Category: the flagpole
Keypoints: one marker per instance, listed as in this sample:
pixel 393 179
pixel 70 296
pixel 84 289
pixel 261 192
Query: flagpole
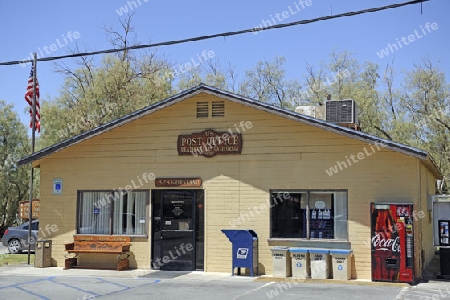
pixel 33 129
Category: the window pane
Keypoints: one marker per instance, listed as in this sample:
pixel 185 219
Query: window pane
pixel 288 215
pixel 35 226
pixel 95 209
pixel 130 213
pixel 340 219
pixel 200 230
pixel 321 215
pixel 327 215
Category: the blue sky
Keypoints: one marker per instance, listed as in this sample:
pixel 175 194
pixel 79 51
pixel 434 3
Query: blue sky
pixel 28 26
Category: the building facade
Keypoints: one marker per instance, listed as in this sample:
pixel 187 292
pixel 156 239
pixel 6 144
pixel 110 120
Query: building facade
pixel 173 175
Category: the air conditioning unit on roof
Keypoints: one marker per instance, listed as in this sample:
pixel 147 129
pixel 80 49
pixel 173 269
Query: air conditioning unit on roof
pixel 341 111
pixel 317 112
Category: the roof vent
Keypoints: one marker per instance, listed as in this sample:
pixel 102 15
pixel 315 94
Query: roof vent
pixel 218 109
pixel 202 109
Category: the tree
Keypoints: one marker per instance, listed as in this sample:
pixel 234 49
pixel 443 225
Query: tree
pixel 267 83
pixel 427 99
pixel 13 180
pixel 96 94
pixel 211 73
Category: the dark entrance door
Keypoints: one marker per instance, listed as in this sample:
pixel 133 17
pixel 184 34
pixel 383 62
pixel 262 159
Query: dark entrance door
pixel 177 231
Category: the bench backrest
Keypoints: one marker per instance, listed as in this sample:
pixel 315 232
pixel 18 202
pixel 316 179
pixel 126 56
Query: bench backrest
pixel 101 243
pixel 101 238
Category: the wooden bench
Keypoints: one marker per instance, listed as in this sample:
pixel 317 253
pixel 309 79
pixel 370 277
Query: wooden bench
pixel 103 244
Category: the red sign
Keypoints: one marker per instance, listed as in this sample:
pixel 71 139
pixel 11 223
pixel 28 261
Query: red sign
pixel 209 143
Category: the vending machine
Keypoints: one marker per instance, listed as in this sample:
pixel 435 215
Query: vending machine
pixel 392 242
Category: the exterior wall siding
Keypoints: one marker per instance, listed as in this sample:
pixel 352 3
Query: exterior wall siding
pixel 277 154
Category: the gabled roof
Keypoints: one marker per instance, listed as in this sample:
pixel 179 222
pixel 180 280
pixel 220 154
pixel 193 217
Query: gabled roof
pixel 202 88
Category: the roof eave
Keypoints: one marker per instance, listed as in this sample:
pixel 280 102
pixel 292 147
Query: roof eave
pixel 397 147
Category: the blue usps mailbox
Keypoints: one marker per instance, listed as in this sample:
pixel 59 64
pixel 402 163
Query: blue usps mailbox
pixel 245 249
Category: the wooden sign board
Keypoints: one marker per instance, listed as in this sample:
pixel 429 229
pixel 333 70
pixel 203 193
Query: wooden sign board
pixel 209 143
pixel 178 182
pixel 101 238
pixel 24 209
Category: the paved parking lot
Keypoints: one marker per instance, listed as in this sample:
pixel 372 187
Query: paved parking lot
pixel 26 282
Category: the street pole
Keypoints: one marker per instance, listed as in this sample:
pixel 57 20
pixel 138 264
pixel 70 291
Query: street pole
pixel 33 129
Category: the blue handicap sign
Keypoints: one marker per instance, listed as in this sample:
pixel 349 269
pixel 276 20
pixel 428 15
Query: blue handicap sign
pixel 299 265
pixel 340 267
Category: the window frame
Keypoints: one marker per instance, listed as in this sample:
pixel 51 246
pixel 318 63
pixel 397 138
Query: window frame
pixel 308 208
pixel 111 212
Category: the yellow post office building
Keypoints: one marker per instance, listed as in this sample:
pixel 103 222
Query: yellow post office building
pixel 174 174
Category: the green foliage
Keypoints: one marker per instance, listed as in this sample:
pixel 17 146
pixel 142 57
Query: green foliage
pixel 417 114
pixel 92 96
pixel 13 180
pixel 267 83
pixel 427 99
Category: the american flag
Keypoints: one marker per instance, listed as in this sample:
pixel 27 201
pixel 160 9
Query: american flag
pixel 29 98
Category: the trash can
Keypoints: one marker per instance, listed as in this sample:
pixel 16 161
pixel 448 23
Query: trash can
pixel 43 254
pixel 244 249
pixel 341 261
pixel 300 262
pixel 320 263
pixel 281 262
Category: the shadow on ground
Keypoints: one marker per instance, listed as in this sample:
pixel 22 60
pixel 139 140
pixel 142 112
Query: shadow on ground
pixel 165 274
pixel 433 270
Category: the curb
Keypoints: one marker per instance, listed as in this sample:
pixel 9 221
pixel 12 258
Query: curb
pixel 328 281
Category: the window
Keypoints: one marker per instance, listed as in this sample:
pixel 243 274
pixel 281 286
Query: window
pixel 35 226
pixel 119 213
pixel 309 214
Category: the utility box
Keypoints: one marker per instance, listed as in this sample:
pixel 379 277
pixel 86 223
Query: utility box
pixel 245 249
pixel 43 254
pixel 300 262
pixel 444 262
pixel 281 262
pixel 341 261
pixel 320 263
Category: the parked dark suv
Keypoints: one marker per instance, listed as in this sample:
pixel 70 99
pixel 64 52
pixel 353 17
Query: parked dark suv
pixel 16 238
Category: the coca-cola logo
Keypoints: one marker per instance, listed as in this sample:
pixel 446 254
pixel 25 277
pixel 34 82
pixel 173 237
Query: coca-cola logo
pixel 386 244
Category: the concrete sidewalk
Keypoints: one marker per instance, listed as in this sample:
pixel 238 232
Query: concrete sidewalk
pixel 30 270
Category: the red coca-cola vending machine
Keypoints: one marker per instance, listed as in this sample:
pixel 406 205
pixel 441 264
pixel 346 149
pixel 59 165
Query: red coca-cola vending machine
pixel 392 242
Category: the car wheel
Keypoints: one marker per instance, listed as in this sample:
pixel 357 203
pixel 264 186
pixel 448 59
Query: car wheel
pixel 14 246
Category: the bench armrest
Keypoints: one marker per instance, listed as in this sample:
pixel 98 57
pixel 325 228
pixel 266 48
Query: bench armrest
pixel 70 246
